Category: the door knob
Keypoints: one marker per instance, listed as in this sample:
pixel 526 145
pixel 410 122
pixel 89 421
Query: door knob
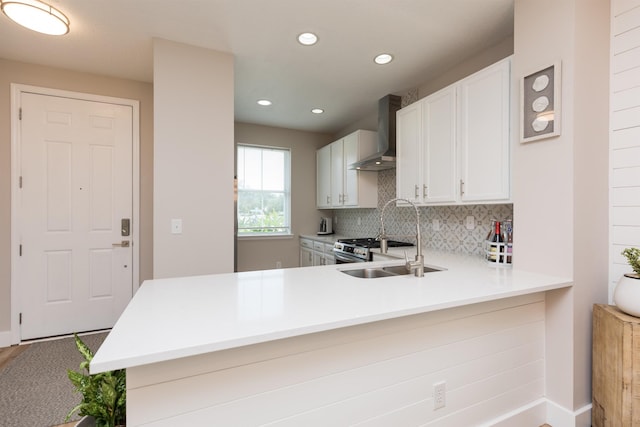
pixel 124 244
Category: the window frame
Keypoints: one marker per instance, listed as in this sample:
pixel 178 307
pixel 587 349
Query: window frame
pixel 243 233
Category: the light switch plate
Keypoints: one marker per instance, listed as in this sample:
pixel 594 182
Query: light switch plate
pixel 436 224
pixel 176 226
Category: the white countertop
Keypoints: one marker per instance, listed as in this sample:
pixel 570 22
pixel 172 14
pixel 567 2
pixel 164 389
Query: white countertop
pixel 173 318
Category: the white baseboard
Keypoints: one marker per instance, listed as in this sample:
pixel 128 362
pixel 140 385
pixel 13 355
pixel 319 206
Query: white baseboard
pixel 6 339
pixel 543 411
pixel 532 414
pixel 558 416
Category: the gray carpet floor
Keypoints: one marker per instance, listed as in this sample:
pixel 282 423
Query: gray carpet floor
pixel 34 388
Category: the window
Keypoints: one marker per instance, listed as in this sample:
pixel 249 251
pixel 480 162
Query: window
pixel 264 195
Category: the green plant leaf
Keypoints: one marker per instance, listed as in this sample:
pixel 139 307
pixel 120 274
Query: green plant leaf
pixel 103 395
pixel 83 349
pixel 633 258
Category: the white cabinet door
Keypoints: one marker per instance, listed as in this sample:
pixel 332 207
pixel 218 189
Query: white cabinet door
pixel 306 252
pixel 350 155
pixel 323 184
pixel 337 173
pixel 408 153
pixel 484 134
pixel 439 150
pixel 306 257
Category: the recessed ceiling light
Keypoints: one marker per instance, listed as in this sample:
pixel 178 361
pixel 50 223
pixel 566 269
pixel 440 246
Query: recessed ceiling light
pixel 383 58
pixel 37 16
pixel 307 39
pixel 317 111
pixel 264 102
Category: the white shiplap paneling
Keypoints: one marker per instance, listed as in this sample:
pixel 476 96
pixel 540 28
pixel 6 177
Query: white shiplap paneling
pixel 491 356
pixel 624 135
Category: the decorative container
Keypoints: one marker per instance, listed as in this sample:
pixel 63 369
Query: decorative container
pixel 498 254
pixel 626 296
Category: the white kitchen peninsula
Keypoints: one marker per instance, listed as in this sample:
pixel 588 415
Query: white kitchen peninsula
pixel 314 346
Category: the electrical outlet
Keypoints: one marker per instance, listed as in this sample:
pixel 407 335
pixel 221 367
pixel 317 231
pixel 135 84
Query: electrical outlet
pixel 436 225
pixel 359 221
pixel 470 223
pixel 439 395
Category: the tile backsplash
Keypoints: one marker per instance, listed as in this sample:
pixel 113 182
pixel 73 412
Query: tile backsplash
pixel 452 236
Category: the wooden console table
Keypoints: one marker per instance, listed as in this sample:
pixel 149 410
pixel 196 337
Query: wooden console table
pixel 616 368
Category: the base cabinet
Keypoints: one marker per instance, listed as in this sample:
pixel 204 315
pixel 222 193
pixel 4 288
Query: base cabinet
pixel 306 253
pixel 616 368
pixel 315 252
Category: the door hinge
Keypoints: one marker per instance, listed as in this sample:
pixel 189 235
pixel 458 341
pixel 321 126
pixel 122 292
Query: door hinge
pixel 20 250
pixel 20 113
pixel 20 181
pixel 20 319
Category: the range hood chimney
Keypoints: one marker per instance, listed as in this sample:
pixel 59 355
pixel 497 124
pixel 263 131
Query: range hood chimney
pixel 385 157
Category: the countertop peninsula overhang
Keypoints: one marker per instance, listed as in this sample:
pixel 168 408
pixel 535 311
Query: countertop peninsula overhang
pixel 187 316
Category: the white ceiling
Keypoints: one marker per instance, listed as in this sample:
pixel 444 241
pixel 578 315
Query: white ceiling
pixel 426 37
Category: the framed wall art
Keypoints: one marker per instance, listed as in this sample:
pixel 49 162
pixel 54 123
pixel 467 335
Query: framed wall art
pixel 540 113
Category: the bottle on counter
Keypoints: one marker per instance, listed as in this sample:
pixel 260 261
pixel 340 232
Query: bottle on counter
pixel 507 231
pixel 491 230
pixel 495 247
pixel 487 241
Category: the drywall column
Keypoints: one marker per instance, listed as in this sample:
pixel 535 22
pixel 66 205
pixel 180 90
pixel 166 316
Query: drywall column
pixel 193 160
pixel 560 187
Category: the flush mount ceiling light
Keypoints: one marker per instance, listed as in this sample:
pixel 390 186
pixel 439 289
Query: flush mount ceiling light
pixel 307 39
pixel 37 16
pixel 317 110
pixel 383 58
pixel 264 102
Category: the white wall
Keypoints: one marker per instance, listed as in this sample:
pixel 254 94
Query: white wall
pixel 263 253
pixel 193 160
pixel 559 184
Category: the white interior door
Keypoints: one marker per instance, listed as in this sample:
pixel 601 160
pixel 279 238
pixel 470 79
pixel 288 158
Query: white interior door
pixel 74 272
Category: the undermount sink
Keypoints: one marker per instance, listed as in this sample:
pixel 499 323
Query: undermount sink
pixel 375 272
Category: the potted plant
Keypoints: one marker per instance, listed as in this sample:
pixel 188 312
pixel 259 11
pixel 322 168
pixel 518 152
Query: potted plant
pixel 627 292
pixel 103 395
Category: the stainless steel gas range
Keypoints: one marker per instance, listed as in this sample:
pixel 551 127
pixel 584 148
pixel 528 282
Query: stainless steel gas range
pixel 359 250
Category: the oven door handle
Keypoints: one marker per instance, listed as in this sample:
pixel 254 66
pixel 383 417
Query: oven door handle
pixel 346 258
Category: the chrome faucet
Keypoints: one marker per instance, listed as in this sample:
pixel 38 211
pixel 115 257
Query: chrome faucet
pixel 416 266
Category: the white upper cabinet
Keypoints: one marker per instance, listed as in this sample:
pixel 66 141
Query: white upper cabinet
pixel 350 147
pixel 408 153
pixel 346 187
pixel 484 134
pixel 337 173
pixel 323 168
pixel 453 145
pixel 426 163
pixel 439 149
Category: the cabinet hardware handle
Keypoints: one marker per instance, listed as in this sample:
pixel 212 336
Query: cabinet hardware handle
pixel 415 193
pixel 424 191
pixel 461 187
pixel 344 198
pixel 328 200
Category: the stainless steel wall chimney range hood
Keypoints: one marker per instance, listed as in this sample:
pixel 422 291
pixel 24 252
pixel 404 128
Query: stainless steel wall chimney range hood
pixel 385 157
